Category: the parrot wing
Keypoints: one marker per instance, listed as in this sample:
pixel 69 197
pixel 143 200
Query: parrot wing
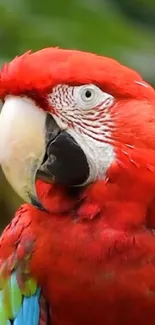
pixel 21 302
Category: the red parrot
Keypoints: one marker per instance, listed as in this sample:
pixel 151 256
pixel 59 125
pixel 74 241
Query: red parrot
pixel 77 143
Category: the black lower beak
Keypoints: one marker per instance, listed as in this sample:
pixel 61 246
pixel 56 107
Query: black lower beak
pixel 64 161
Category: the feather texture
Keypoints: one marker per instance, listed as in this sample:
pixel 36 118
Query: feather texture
pixel 16 306
pixel 19 293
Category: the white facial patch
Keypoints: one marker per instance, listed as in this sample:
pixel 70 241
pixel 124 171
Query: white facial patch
pixel 84 111
pixel 99 155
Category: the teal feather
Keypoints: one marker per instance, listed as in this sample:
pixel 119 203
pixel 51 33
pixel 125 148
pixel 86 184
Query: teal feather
pixel 29 311
pixel 17 308
pixel 20 302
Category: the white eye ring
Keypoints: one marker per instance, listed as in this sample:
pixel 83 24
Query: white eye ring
pixel 88 94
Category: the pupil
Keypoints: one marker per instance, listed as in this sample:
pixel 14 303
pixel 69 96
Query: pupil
pixel 88 93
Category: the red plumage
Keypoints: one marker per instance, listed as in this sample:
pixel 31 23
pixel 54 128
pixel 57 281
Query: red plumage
pixel 94 253
pixel 44 69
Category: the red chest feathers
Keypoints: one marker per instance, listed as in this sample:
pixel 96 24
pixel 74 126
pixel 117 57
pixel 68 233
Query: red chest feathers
pixel 91 273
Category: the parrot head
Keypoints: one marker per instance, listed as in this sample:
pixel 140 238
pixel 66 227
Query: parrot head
pixel 68 117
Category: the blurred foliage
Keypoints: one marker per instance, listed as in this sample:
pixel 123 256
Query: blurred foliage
pixel 141 10
pixel 115 28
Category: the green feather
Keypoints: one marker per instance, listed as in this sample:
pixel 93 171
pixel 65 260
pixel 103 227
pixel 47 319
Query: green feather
pixel 11 297
pixel 3 313
pixel 13 286
pixel 30 287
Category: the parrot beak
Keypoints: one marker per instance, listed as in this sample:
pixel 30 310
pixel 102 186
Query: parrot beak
pixel 22 144
pixel 32 146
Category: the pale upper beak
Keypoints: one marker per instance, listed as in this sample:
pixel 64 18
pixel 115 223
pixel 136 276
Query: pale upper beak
pixel 32 144
pixel 22 144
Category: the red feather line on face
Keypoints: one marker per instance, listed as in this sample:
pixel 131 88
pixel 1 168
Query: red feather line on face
pixel 93 121
pixel 37 73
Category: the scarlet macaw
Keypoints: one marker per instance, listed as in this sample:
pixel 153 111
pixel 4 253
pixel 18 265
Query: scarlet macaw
pixel 77 143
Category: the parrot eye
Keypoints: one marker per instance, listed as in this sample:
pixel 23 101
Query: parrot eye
pixel 87 94
pixel 90 96
pixel 80 98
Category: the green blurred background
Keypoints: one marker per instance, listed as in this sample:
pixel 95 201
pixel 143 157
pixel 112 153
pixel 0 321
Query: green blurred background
pixel 123 29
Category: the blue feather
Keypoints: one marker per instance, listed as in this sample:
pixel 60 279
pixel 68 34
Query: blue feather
pixel 29 311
